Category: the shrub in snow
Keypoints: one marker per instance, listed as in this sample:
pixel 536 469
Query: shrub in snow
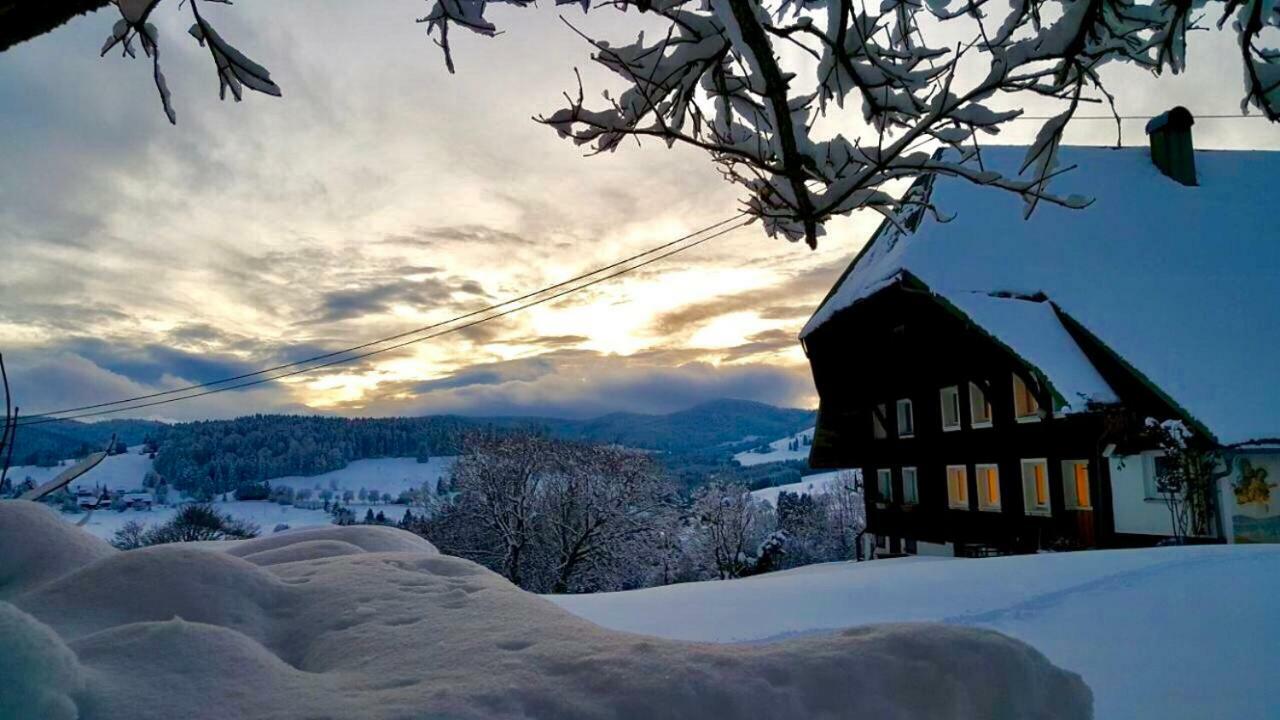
pixel 280 527
pixel 192 523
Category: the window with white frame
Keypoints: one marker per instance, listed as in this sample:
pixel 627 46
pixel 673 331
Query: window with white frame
pixel 878 430
pixel 988 487
pixel 1075 485
pixel 1035 487
pixel 1025 406
pixel 958 487
pixel 906 419
pixel 950 408
pixel 979 408
pixel 910 486
pixel 884 484
pixel 1154 465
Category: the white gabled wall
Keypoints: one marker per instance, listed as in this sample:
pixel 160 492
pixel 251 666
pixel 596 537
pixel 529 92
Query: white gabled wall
pixel 1134 513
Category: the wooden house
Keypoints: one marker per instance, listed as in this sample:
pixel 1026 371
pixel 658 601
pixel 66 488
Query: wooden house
pixel 977 366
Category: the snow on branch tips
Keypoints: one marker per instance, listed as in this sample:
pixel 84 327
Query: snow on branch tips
pixel 746 80
pixel 235 71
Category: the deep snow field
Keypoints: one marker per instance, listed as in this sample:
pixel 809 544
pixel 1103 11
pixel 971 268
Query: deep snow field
pixel 778 451
pixel 811 485
pixel 1168 633
pixel 125 472
pixel 372 622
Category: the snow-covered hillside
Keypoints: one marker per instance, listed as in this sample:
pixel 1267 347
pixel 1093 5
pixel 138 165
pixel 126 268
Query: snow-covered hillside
pixel 372 622
pixel 811 485
pixel 125 472
pixel 386 475
pixel 778 450
pixel 1189 632
pixel 115 472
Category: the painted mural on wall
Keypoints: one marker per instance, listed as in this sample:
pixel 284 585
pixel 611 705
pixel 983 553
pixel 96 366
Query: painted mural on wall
pixel 1256 516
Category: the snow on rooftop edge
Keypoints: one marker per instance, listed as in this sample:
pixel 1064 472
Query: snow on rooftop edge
pixel 1034 332
pixel 1180 281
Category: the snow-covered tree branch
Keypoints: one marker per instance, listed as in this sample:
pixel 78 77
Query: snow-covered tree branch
pixel 718 80
pixel 748 80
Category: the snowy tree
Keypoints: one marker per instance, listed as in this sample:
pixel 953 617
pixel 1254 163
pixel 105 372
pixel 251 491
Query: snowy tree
pixel 732 525
pixel 498 480
pixel 847 514
pixel 924 76
pixel 601 506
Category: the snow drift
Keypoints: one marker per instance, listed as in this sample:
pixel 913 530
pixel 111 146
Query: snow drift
pixel 373 622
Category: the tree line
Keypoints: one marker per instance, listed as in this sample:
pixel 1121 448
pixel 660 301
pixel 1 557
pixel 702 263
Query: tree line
pixel 566 517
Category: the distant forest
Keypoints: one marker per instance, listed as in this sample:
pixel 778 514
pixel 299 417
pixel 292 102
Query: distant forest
pixel 212 457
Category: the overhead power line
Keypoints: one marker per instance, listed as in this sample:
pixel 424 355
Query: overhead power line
pixel 128 404
pixel 1141 117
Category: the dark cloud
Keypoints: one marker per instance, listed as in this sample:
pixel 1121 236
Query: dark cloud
pixel 581 384
pixel 422 295
pixel 777 299
pixel 430 237
pixel 770 341
pixel 151 364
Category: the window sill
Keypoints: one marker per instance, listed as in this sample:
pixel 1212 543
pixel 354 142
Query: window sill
pixel 907 436
pixel 1039 513
pixel 946 429
pixel 1028 419
pixel 960 508
pixel 989 509
pixel 981 425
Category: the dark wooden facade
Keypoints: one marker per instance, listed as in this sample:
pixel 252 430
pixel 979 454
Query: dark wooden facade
pixel 906 342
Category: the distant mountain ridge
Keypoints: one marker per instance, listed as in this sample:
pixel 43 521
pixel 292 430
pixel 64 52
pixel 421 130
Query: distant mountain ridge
pixel 705 425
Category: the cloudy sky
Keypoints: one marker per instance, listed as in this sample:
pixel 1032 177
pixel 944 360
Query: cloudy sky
pixel 380 194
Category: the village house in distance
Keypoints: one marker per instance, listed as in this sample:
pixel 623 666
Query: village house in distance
pixel 991 376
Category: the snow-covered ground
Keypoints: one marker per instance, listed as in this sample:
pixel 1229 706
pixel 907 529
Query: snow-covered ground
pixel 115 472
pixel 810 485
pixel 778 450
pixel 372 622
pixel 386 475
pixel 1191 632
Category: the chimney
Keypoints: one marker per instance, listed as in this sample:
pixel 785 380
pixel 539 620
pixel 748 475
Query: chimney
pixel 1171 147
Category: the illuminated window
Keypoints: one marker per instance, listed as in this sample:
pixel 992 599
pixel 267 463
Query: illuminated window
pixel 910 487
pixel 958 487
pixel 877 422
pixel 979 408
pixel 1035 487
pixel 906 419
pixel 1025 406
pixel 884 483
pixel 1075 484
pixel 950 408
pixel 988 487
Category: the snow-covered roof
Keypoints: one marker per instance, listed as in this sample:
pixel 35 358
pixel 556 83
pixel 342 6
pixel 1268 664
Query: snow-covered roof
pixel 1033 331
pixel 1183 282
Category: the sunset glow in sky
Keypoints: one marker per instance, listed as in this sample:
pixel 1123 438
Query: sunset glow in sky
pixel 381 193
